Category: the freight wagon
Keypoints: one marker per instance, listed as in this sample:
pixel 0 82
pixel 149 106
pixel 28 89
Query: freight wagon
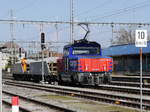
pixel 32 70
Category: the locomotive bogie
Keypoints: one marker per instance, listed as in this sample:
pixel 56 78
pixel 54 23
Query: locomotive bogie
pixel 86 78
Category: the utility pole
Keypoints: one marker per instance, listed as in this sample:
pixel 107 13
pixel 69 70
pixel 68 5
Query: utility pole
pixel 71 20
pixel 12 36
pixel 56 32
pixel 1 82
pixel 112 31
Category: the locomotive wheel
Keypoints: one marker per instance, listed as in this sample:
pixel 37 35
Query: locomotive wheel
pixel 73 83
pixel 60 82
pixel 36 78
pixel 107 78
pixel 15 77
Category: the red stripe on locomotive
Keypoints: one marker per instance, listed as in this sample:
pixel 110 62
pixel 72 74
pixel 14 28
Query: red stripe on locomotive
pixel 95 65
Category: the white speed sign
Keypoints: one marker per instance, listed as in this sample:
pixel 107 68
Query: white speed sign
pixel 141 38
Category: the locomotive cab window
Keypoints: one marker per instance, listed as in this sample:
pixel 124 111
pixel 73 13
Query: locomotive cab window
pixel 85 51
pixel 66 51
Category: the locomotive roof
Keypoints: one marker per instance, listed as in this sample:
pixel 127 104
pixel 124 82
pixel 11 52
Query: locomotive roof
pixel 83 43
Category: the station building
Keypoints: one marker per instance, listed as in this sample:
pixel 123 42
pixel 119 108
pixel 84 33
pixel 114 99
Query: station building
pixel 126 58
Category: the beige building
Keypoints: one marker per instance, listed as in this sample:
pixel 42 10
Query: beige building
pixel 10 54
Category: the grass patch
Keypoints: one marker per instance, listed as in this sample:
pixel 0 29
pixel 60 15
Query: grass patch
pixel 86 106
pixel 97 107
pixel 58 97
pixel 119 109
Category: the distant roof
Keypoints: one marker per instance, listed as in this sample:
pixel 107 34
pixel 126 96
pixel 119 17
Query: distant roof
pixel 126 49
pixel 11 45
pixel 51 59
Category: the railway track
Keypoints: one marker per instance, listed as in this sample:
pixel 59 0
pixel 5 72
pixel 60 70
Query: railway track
pixel 124 89
pixel 96 95
pixel 120 83
pixel 131 78
pixel 131 81
pixel 32 105
pixel 128 87
pixel 130 84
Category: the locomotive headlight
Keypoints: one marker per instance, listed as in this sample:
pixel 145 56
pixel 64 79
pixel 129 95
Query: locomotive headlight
pixel 86 67
pixel 90 74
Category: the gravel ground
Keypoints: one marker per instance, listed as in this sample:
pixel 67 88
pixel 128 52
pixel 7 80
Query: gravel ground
pixel 6 108
pixel 78 104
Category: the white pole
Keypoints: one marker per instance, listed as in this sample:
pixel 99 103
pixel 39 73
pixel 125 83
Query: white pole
pixel 141 110
pixel 1 82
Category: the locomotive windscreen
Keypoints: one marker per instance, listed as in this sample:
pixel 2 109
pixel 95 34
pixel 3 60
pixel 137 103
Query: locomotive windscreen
pixel 86 50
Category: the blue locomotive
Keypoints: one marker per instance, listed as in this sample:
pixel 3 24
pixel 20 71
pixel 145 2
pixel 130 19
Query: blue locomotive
pixel 82 63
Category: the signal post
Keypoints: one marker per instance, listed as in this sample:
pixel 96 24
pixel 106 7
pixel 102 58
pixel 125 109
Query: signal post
pixel 42 49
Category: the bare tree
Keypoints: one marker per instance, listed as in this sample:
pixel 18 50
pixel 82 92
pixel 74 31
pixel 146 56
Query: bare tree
pixel 124 36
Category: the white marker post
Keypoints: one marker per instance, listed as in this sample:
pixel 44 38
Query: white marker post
pixel 141 41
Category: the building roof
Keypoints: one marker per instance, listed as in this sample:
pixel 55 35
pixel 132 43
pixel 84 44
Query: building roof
pixel 51 59
pixel 11 45
pixel 127 49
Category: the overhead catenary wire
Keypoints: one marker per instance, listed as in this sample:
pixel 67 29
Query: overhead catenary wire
pixel 95 7
pixel 90 10
pixel 123 10
pixel 63 22
pixel 26 6
pixel 2 21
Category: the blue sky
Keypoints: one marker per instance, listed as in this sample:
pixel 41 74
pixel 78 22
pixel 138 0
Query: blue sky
pixel 84 10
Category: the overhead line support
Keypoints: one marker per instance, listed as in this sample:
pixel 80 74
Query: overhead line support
pixel 67 22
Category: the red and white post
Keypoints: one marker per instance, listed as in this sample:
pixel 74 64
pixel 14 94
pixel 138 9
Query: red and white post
pixel 15 104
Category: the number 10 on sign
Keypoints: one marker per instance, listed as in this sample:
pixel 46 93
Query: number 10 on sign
pixel 141 38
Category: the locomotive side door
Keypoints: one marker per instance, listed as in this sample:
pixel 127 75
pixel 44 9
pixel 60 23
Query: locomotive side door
pixel 66 76
pixel 66 59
